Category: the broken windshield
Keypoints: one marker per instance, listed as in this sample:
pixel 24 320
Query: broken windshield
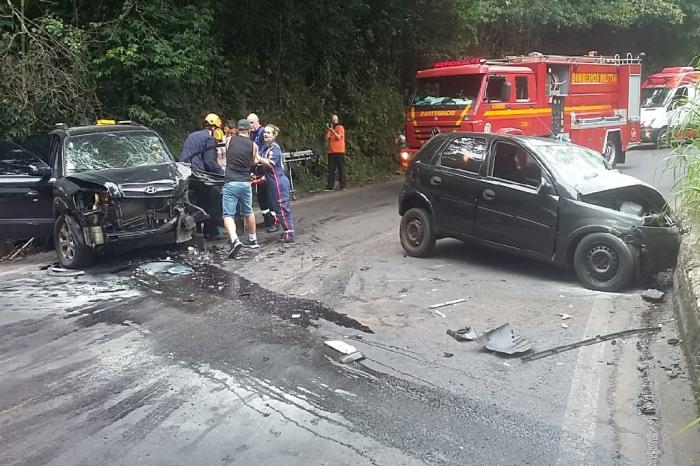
pixel 654 97
pixel 574 164
pixel 123 149
pixel 448 91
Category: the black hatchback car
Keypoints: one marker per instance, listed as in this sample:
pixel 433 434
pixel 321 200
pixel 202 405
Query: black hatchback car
pixel 539 198
pixel 93 188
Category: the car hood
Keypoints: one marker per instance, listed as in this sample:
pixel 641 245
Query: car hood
pixel 145 181
pixel 617 188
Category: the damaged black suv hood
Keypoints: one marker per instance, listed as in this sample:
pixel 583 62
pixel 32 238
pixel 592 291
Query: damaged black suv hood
pixel 616 187
pixel 145 181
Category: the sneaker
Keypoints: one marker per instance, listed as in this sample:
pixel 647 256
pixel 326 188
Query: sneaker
pixel 273 229
pixel 252 244
pixel 235 248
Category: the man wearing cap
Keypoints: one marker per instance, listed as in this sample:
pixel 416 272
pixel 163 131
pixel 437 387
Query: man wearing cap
pixel 199 149
pixel 241 155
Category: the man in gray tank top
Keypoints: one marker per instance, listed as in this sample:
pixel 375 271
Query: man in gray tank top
pixel 241 155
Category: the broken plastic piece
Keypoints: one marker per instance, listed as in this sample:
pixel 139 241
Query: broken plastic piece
pixel 463 334
pixel 340 346
pixel 565 316
pixel 653 296
pixel 356 356
pixel 447 303
pixel 503 340
pixel 61 272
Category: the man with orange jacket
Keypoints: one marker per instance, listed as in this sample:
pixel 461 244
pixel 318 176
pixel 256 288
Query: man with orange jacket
pixel 335 135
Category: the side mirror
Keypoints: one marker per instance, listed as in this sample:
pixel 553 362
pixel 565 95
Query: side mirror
pixel 41 170
pixel 545 187
pixel 505 92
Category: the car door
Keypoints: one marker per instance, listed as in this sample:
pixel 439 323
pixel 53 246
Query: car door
pixel 26 194
pixel 512 209
pixel 454 184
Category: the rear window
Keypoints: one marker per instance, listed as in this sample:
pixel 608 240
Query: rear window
pixel 15 160
pixel 426 153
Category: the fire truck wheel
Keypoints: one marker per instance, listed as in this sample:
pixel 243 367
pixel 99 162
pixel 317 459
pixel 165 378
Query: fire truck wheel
pixel 604 262
pixel 612 150
pixel 416 232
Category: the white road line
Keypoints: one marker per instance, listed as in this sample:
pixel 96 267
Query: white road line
pixel 580 420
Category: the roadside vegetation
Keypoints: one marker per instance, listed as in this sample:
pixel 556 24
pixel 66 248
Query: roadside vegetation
pixel 167 63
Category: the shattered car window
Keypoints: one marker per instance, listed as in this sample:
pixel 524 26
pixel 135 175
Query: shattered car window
pixel 124 149
pixel 573 163
pixel 15 161
pixel 465 153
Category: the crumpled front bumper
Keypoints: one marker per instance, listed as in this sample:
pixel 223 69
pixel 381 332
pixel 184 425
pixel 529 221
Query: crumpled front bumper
pixel 659 247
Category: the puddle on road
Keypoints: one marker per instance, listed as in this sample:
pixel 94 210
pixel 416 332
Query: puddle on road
pixel 209 279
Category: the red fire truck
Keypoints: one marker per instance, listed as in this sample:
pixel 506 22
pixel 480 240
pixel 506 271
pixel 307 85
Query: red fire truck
pixel 590 100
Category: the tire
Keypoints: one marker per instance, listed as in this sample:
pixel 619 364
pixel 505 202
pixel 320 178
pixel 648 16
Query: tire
pixel 613 151
pixel 662 139
pixel 70 254
pixel 604 262
pixel 416 233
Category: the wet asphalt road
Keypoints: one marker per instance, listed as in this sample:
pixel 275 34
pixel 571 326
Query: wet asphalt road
pixel 227 365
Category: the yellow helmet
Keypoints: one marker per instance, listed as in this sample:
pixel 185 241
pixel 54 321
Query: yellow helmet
pixel 213 119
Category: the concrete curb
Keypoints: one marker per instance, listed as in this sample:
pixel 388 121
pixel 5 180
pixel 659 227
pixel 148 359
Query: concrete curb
pixel 686 303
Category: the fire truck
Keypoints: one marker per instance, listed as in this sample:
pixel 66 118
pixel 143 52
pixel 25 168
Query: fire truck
pixel 668 100
pixel 591 100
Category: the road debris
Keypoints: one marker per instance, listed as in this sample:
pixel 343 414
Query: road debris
pixel 61 272
pixel 447 303
pixel 653 296
pixel 348 352
pixel 503 340
pixel 364 268
pixel 440 314
pixel 24 246
pixel 564 316
pixel 448 355
pixel 169 267
pixel 463 334
pixel 296 316
pixel 563 325
pixel 590 341
pixel 673 341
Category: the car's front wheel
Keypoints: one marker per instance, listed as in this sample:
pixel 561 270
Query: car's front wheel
pixel 70 253
pixel 416 232
pixel 604 262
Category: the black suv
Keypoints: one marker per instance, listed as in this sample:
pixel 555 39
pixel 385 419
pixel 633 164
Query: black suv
pixel 94 187
pixel 539 198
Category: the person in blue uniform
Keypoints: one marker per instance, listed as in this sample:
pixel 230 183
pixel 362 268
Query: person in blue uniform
pixel 277 182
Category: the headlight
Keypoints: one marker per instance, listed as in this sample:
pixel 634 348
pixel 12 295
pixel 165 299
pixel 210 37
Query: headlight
pixel 405 155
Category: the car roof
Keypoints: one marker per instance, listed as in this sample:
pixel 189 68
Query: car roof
pixel 92 129
pixel 530 140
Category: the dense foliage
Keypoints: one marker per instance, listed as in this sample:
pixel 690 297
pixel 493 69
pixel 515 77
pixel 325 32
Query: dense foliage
pixel 168 62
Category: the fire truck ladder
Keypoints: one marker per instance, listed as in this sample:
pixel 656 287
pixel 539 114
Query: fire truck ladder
pixel 536 57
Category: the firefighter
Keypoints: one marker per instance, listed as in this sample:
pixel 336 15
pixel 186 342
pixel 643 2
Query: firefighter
pixel 278 183
pixel 199 149
pixel 260 182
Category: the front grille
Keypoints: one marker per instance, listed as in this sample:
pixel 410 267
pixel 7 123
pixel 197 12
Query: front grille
pixel 424 132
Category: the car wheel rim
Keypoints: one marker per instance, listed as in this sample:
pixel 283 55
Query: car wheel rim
pixel 66 243
pixel 602 262
pixel 414 232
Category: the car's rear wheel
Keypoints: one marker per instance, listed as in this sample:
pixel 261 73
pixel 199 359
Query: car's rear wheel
pixel 70 253
pixel 604 262
pixel 416 232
